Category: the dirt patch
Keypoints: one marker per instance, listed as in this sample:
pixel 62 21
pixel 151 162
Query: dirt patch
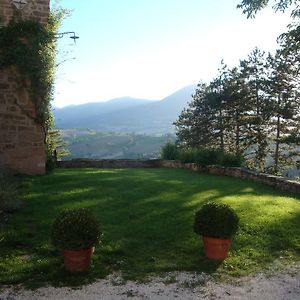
pixel 185 286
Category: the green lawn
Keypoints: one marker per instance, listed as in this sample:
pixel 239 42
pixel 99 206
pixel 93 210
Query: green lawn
pixel 147 217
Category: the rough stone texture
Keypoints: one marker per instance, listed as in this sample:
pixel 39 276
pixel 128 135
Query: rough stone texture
pixel 21 138
pixel 108 163
pixel 34 10
pixel 276 181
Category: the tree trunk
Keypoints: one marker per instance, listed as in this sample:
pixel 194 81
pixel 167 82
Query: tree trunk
pixel 221 131
pixel 237 133
pixel 276 155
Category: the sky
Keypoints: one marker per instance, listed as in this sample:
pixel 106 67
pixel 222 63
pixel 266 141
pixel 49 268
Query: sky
pixel 151 48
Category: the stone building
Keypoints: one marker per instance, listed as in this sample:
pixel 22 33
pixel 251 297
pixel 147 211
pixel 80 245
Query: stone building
pixel 22 148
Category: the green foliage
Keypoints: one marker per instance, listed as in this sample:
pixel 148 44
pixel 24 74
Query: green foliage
pixel 251 110
pixel 230 160
pixel 75 229
pixel 282 112
pixel 10 193
pixel 216 220
pixel 50 163
pixel 56 148
pixel 30 47
pixel 251 7
pixel 200 156
pixel 188 156
pixel 56 145
pixel 207 157
pixel 169 151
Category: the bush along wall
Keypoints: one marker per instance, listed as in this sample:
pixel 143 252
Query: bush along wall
pixel 204 157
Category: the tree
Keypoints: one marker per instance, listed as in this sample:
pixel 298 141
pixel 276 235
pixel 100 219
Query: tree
pixel 258 113
pixel 235 96
pixel 194 125
pixel 215 98
pixel 251 7
pixel 56 145
pixel 284 124
pixel 252 110
pixel 203 123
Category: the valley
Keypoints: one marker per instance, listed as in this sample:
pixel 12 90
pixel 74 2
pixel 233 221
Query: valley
pixel 109 145
pixel 121 128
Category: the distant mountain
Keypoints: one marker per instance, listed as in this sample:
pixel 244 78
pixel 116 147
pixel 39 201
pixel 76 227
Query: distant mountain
pixel 126 114
pixel 79 116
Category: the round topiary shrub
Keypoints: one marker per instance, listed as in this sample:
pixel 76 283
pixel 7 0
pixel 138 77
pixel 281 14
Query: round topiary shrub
pixel 75 229
pixel 216 220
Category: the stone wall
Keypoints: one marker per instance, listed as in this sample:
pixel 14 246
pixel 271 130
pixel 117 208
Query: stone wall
pixel 108 163
pixel 275 181
pixel 37 10
pixel 21 138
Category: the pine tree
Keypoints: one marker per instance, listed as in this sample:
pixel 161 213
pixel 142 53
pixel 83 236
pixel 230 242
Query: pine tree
pixel 193 126
pixel 254 72
pixel 235 96
pixel 215 99
pixel 285 120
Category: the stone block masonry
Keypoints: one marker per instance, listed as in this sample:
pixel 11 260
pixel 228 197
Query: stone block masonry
pixel 108 163
pixel 22 147
pixel 37 10
pixel 274 181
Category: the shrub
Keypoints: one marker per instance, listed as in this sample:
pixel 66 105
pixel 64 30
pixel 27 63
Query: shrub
pixel 200 156
pixel 51 160
pixel 207 157
pixel 75 229
pixel 216 220
pixel 187 156
pixel 169 151
pixel 230 160
pixel 10 193
pixel 50 165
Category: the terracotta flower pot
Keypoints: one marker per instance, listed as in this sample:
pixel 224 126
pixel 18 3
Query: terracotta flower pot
pixel 215 248
pixel 78 261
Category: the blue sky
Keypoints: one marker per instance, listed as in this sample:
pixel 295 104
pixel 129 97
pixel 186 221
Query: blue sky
pixel 151 48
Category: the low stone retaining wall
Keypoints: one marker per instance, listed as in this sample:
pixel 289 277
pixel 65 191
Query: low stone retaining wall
pixel 108 163
pixel 275 181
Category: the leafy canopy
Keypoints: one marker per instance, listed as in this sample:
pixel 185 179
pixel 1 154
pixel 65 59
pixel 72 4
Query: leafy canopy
pixel 251 7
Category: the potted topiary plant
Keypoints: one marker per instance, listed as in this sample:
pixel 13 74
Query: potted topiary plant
pixel 75 232
pixel 217 223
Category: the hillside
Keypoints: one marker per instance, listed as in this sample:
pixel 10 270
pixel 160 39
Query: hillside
pixel 80 116
pixel 126 114
pixel 95 144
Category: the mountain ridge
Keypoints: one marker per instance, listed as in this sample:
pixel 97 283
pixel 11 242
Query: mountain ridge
pixel 126 114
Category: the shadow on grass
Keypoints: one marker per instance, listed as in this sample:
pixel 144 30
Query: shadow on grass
pixel 147 217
